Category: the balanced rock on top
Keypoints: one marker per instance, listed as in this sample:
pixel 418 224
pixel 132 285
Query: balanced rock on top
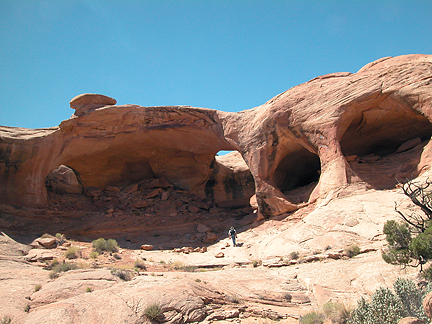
pixel 83 103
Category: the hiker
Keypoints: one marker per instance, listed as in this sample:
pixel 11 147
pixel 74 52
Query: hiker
pixel 233 234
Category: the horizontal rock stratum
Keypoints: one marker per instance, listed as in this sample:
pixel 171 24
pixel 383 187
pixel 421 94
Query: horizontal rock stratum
pixel 304 138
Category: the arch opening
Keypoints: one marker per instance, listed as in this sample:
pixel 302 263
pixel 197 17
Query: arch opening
pixel 390 139
pixel 297 174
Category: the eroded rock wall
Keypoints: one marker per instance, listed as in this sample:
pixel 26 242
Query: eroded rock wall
pixel 307 136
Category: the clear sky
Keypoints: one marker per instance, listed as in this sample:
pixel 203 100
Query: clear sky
pixel 227 55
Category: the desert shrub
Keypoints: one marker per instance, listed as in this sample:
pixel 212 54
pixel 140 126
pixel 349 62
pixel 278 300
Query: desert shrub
pixel 93 254
pixel 198 280
pixel 27 308
pixel 37 287
pixel 386 307
pixel 336 312
pixel 255 263
pixel 235 299
pixel 71 253
pixel 294 255
pixel 312 318
pixel 122 274
pixel 153 311
pixel 60 238
pixel 352 250
pixel 62 267
pixel 89 289
pixel 140 265
pixel 6 319
pixel 287 297
pixel 54 262
pixel 101 245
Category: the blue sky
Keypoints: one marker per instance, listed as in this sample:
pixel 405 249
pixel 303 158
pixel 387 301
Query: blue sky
pixel 227 55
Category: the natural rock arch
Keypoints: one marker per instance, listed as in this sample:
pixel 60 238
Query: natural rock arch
pixel 318 121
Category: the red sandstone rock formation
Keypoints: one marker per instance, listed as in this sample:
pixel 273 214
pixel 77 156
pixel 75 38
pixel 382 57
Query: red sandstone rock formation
pixel 307 135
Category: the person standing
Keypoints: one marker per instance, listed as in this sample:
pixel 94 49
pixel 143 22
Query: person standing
pixel 232 232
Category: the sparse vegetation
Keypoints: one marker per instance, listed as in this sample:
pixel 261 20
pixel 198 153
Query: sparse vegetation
pixel 71 253
pixel 409 243
pixel 294 255
pixel 122 274
pixel 255 263
pixel 235 299
pixel 352 250
pixel 93 255
pixel 197 280
pixel 101 245
pixel 312 318
pixel 287 297
pixel 140 265
pixel 27 308
pixel 89 289
pixel 386 307
pixel 6 319
pixel 153 311
pixel 60 238
pixel 62 267
pixel 37 287
pixel 330 313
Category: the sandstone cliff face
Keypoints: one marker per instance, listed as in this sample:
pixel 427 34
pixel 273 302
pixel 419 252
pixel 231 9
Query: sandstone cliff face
pixel 317 136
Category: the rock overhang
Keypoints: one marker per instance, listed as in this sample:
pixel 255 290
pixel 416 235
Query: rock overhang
pixel 299 138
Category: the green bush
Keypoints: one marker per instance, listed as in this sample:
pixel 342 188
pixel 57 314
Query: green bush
pixel 312 318
pixel 101 245
pixel 6 319
pixel 153 311
pixel 294 255
pixel 352 250
pixel 62 267
pixel 386 307
pixel 93 255
pixel 336 312
pixel 71 253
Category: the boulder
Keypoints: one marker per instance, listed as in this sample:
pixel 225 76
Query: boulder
pixel 84 103
pixel 39 255
pixel 63 180
pixel 46 242
pixel 201 228
pixel 147 247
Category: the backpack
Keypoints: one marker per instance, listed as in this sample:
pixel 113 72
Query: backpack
pixel 232 232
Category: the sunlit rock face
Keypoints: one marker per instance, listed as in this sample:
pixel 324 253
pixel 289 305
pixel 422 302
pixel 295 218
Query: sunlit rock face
pixel 301 145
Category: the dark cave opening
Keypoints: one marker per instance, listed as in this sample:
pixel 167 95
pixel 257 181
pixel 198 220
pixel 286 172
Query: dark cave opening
pixel 297 174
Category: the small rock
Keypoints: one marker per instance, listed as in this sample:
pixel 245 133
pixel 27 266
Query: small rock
pixel 92 191
pixel 333 255
pixel 130 189
pixel 146 247
pixel 155 183
pixel 140 204
pixel 152 193
pixel 193 209
pixel 409 145
pixel 201 228
pixel 219 255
